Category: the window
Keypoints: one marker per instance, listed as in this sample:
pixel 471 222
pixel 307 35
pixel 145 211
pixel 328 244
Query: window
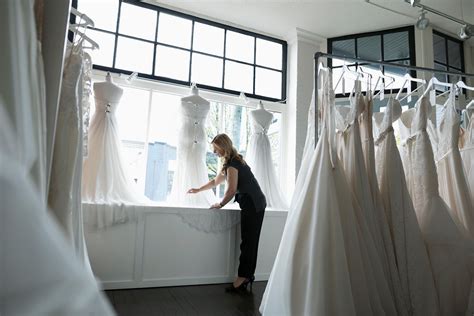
pixel 448 55
pixel 148 118
pixel 167 45
pixel 395 46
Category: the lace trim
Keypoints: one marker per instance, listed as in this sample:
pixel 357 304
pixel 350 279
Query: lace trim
pixel 382 135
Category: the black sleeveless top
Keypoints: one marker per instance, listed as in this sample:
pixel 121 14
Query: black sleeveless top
pixel 247 184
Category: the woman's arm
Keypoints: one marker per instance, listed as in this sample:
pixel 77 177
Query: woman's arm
pixel 232 180
pixel 211 184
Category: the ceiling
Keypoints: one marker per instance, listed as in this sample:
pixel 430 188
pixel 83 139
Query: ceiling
pixel 327 18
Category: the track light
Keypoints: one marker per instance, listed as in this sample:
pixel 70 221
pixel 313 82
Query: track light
pixel 423 21
pixel 414 2
pixel 465 32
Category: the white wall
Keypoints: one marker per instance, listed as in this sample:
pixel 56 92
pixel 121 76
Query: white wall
pixel 159 249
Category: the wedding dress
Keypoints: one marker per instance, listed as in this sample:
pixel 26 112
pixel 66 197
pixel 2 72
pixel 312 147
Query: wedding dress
pixel 414 267
pixel 105 178
pixel 66 172
pixel 319 268
pixel 259 158
pixel 447 247
pixel 453 186
pixel 467 154
pixel 191 170
pixel 387 254
pixel 354 167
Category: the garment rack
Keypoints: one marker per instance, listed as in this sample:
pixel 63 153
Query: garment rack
pixel 319 55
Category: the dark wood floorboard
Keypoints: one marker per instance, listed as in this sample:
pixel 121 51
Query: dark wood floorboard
pixel 186 300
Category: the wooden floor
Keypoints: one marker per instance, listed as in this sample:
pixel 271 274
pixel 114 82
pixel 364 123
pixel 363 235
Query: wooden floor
pixel 186 300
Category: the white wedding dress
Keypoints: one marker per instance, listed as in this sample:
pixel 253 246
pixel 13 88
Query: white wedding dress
pixel 467 154
pixel 414 267
pixel 105 178
pixel 66 171
pixel 259 158
pixel 389 262
pixel 447 247
pixel 191 170
pixel 319 269
pixel 453 186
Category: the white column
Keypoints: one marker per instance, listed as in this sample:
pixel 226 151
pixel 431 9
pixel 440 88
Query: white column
pixel 302 45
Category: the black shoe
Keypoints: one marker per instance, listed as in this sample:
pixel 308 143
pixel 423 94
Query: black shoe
pixel 242 288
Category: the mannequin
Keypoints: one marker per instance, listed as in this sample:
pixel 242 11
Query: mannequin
pixel 107 90
pixel 259 157
pixel 105 179
pixel 194 97
pixel 191 168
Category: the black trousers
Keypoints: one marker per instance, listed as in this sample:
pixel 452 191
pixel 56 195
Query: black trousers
pixel 250 227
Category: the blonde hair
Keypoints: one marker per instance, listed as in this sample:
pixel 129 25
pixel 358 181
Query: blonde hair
pixel 225 143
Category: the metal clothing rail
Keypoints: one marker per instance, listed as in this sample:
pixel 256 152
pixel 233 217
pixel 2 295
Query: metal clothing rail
pixel 319 55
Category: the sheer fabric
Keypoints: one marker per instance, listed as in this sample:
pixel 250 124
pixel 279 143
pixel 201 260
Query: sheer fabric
pixel 467 155
pixel 259 158
pixel 319 266
pixel 414 267
pixel 453 186
pixel 447 247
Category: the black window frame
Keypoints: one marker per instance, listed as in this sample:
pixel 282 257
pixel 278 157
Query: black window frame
pixel 447 64
pixel 411 49
pixel 195 19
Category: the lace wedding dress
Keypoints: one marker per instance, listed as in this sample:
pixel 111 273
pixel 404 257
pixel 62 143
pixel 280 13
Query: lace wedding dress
pixel 453 186
pixel 66 171
pixel 447 247
pixel 467 154
pixel 414 267
pixel 259 158
pixel 319 269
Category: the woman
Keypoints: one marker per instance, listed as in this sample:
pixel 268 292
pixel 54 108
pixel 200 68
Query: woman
pixel 241 183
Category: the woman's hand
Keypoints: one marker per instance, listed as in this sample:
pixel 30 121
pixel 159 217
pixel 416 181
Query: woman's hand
pixel 193 190
pixel 216 205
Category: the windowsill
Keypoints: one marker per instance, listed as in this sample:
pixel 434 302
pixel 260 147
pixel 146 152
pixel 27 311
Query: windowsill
pixel 169 208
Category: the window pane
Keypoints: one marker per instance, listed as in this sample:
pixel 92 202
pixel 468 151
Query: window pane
pixel 95 10
pixel 369 48
pixel 344 48
pixel 238 77
pixel 162 142
pixel 396 73
pixel 439 49
pixel 172 63
pixel 174 30
pixel 134 55
pixel 208 39
pixel 132 116
pixel 137 21
pixel 454 54
pixel 396 46
pixel 454 78
pixel 441 77
pixel 103 56
pixel 268 83
pixel 239 47
pixel 269 54
pixel 206 70
pixel 344 85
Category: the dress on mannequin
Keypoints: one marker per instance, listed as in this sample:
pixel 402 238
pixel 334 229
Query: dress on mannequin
pixel 259 157
pixel 105 178
pixel 191 169
pixel 447 246
pixel 319 269
pixel 414 267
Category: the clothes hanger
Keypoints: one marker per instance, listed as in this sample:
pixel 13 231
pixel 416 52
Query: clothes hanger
pixel 368 77
pixel 461 85
pixel 87 20
pixel 346 70
pixel 381 92
pixel 409 78
pixel 433 83
pixel 75 30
